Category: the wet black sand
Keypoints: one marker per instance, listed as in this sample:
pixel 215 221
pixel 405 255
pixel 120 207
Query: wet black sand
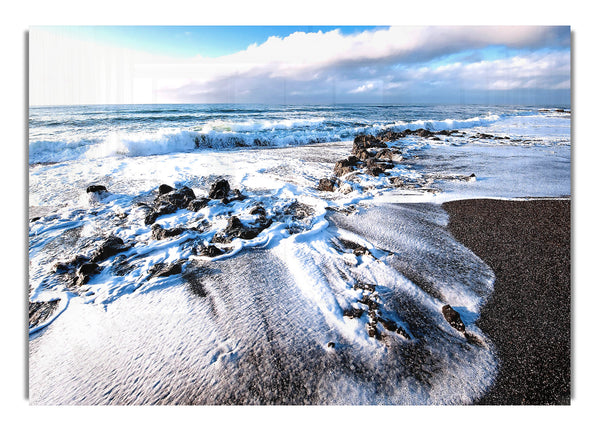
pixel 527 244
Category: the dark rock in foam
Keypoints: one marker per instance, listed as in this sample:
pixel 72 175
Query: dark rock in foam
pixel 164 189
pixel 40 311
pixel 326 184
pixel 219 189
pixel 96 188
pixel 109 247
pixel 85 271
pixel 345 166
pixel 209 251
pixel 197 204
pixel 158 232
pixel 235 228
pixel 169 202
pixel 453 318
pixel 166 269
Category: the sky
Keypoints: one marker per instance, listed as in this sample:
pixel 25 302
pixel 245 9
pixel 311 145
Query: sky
pixel 303 64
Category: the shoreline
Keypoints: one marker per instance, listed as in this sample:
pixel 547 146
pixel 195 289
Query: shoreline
pixel 527 317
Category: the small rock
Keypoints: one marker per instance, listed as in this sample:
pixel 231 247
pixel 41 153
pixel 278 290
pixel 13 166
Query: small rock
pixel 390 135
pixel 258 210
pixel 96 188
pixel 180 198
pixel 165 270
pixel 362 142
pixel 298 210
pixel 372 330
pixel 344 166
pixel 66 266
pixel 364 286
pixel 482 136
pixel 197 204
pixel 210 251
pixel 219 189
pixel 158 232
pixel 423 133
pixel 353 313
pixel 453 318
pixel 163 189
pixel 39 312
pixel 386 153
pixel 389 325
pixel 85 271
pixel 326 184
pixel 364 154
pixel 373 167
pixel 331 345
pixel 400 330
pixel 111 246
pixel 235 228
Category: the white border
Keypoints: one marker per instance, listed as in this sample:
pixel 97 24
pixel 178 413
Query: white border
pixel 579 14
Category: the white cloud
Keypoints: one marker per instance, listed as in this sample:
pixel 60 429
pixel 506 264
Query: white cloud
pixel 63 70
pixel 533 71
pixel 365 87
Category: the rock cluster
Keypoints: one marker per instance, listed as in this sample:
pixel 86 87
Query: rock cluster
pixel 373 156
pixel 371 301
pixel 78 270
pixel 370 154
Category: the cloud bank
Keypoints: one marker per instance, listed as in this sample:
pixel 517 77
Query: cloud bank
pixel 396 64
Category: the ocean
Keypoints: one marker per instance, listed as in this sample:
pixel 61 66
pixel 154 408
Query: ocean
pixel 252 254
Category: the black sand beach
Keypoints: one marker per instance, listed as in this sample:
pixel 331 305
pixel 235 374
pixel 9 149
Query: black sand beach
pixel 527 244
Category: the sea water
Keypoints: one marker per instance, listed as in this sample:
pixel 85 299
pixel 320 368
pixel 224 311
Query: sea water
pixel 267 322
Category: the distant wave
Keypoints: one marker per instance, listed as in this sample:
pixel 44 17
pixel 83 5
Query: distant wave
pixel 221 134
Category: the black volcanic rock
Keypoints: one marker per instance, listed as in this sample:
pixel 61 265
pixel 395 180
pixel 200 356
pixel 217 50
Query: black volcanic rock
pixel 386 153
pixel 236 195
pixel 169 202
pixel 235 228
pixel 164 189
pixel 373 168
pixel 423 133
pixel 109 247
pixel 158 232
pixel 219 189
pixel 180 198
pixel 210 251
pixel 453 318
pixel 344 166
pixel 198 204
pixel 390 135
pixel 326 184
pixel 69 265
pixel 353 313
pixel 166 269
pixel 96 188
pixel 85 271
pixel 40 311
pixel 258 210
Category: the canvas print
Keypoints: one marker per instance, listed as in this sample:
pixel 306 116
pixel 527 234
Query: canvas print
pixel 299 215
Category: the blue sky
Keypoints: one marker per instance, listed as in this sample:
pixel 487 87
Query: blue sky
pixel 302 64
pixel 190 41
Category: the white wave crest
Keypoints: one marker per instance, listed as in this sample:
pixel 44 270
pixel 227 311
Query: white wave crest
pixel 446 124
